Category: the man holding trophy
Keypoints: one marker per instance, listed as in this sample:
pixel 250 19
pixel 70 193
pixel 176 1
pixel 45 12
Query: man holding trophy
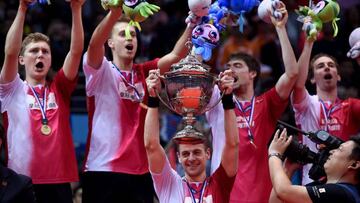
pixel 193 150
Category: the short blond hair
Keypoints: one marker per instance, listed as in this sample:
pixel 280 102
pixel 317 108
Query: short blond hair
pixel 33 37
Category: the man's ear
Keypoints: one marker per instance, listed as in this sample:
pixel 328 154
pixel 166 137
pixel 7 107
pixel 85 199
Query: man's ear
pixel 178 156
pixel 253 74
pixel 312 80
pixel 21 60
pixel 110 43
pixel 338 78
pixel 208 153
pixel 355 165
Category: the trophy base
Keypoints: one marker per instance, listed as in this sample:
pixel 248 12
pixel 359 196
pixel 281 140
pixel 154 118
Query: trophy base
pixel 189 135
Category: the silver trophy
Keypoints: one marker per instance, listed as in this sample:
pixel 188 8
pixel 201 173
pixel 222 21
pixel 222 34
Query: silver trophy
pixel 188 87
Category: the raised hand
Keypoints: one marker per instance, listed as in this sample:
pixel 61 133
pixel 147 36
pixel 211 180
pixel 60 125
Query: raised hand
pixel 76 3
pixel 226 81
pixel 280 142
pixel 26 3
pixel 280 11
pixel 153 82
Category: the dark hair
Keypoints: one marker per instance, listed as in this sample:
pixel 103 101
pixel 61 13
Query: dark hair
pixel 355 153
pixel 33 37
pixel 250 61
pixel 316 57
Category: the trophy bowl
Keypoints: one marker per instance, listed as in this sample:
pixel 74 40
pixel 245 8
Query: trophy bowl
pixel 188 87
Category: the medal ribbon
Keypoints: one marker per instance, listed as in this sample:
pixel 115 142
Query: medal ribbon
pixel 131 84
pixel 327 112
pixel 192 193
pixel 248 122
pixel 42 105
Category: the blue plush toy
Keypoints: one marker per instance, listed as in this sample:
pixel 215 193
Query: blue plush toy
pixel 205 37
pixel 238 7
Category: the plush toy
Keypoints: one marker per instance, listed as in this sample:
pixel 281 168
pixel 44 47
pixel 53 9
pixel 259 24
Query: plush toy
pixel 354 42
pixel 323 12
pixel 238 7
pixel 205 37
pixel 106 4
pixel 137 11
pixel 199 7
pixel 269 5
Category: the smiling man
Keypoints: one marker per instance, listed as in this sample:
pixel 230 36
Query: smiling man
pixel 37 111
pixel 324 110
pixel 116 168
pixel 194 186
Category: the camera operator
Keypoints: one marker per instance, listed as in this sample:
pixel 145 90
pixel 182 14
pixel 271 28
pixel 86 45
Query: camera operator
pixel 342 170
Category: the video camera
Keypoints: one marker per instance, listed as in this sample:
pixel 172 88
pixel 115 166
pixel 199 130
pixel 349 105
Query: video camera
pixel 300 153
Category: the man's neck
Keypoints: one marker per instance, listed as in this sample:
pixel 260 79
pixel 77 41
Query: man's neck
pixel 33 82
pixel 199 178
pixel 327 95
pixel 244 93
pixel 123 64
pixel 347 178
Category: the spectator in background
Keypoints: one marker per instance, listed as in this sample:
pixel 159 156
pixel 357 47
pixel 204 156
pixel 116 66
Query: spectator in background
pixel 36 111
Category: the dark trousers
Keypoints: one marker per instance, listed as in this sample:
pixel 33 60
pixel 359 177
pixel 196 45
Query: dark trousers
pixel 53 193
pixel 99 187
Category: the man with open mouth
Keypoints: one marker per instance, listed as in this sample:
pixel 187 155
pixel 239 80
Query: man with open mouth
pixel 36 111
pixel 116 167
pixel 325 110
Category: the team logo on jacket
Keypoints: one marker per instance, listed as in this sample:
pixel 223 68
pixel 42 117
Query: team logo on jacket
pixel 50 103
pixel 131 92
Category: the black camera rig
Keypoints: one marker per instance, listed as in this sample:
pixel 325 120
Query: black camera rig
pixel 302 154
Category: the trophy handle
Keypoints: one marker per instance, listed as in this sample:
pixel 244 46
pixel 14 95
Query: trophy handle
pixel 217 80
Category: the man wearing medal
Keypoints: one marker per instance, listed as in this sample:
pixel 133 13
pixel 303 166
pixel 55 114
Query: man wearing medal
pixel 194 187
pixel 37 111
pixel 325 110
pixel 116 96
pixel 256 119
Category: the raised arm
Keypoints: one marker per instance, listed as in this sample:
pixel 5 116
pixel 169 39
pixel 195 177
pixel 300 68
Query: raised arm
pixel 300 92
pixel 289 168
pixel 179 52
pixel 280 181
pixel 13 44
pixel 229 159
pixel 155 153
pixel 72 60
pixel 287 80
pixel 96 49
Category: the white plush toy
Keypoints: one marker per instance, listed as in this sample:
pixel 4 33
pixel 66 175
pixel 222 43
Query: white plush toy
pixel 269 5
pixel 354 42
pixel 199 7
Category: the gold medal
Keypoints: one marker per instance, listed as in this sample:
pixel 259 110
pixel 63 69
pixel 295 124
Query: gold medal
pixel 45 129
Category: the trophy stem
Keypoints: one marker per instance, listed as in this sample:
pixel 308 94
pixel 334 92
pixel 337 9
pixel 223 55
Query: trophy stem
pixel 189 119
pixel 189 134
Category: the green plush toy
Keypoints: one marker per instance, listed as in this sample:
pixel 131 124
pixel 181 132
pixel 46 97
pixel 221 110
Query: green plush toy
pixel 323 12
pixel 137 11
pixel 106 4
